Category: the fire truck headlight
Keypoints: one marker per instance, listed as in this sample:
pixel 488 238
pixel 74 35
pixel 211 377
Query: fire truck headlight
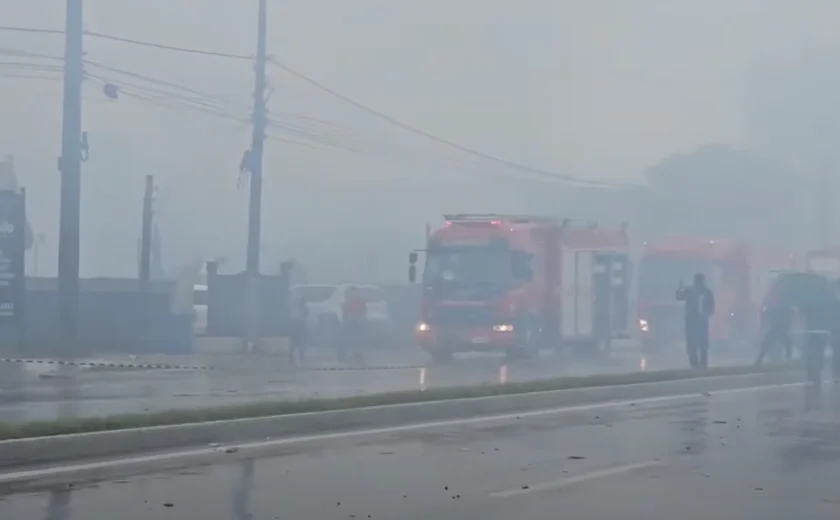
pixel 423 327
pixel 502 328
pixel 643 325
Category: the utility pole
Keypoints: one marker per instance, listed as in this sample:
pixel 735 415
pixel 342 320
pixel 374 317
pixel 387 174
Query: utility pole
pixel 253 162
pixel 146 233
pixel 70 166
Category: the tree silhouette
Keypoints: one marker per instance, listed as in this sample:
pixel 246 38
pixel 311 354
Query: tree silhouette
pixel 720 192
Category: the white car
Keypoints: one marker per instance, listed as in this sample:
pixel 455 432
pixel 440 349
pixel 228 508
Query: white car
pixel 326 307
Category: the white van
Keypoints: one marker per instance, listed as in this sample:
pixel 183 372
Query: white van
pixel 326 308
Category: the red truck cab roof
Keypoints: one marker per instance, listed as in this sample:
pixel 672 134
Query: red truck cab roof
pixel 520 229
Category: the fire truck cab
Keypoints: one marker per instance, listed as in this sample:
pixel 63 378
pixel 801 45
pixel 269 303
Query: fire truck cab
pixel 518 283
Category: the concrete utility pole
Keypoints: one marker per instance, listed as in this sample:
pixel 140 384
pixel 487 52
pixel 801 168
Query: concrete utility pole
pixel 146 231
pixel 70 166
pixel 253 162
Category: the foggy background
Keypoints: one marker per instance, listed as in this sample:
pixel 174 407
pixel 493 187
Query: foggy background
pixel 616 90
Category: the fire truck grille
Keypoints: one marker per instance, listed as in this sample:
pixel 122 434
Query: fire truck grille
pixel 459 316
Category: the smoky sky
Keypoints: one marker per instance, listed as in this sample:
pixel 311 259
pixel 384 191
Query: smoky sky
pixel 595 89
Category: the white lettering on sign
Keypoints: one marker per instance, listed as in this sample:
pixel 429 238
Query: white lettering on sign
pixel 7 228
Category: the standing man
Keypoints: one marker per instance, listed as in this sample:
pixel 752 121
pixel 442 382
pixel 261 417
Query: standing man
pixel 699 308
pixel 776 321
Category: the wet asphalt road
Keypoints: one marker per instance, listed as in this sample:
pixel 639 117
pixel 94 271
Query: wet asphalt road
pixel 87 393
pixel 770 455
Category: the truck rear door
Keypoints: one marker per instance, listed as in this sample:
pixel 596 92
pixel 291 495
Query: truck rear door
pixel 611 293
pixel 621 279
pixel 602 294
pixel 577 286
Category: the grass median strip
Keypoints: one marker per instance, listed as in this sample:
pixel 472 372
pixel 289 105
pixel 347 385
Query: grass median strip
pixel 274 408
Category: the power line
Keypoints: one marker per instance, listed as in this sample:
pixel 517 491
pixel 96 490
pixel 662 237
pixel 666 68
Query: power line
pixel 174 48
pixel 171 101
pixel 13 75
pixel 149 93
pixel 30 66
pixel 301 133
pixel 211 105
pixel 202 102
pixel 440 140
pixel 143 77
pixel 35 30
pixel 27 69
pixel 164 99
pixel 131 41
pixel 7 51
pixel 393 121
pixel 190 90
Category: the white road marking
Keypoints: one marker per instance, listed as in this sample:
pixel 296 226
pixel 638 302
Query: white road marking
pixel 568 481
pixel 245 447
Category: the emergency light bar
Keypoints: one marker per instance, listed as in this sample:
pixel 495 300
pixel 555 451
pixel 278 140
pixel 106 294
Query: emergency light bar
pixel 567 223
pixel 490 217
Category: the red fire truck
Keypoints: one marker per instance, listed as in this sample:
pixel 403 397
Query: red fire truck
pixel 737 273
pixel 517 283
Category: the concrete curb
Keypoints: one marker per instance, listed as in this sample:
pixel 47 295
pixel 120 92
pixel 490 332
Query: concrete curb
pixel 65 448
pixel 103 365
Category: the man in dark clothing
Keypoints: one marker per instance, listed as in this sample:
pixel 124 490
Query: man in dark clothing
pixel 699 307
pixel 776 322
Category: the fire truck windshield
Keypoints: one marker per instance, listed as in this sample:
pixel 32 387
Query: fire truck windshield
pixel 661 274
pixel 464 267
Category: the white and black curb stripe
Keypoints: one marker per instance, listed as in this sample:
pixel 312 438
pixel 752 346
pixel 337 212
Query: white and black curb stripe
pixel 91 364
